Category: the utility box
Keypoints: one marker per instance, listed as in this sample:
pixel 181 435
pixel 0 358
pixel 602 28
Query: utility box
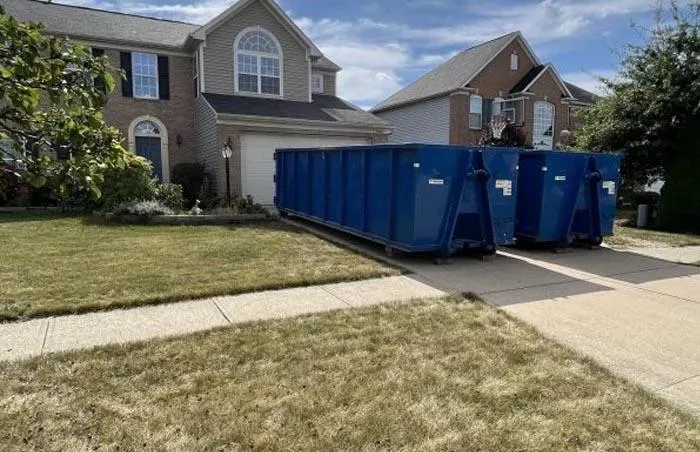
pixel 410 197
pixel 566 196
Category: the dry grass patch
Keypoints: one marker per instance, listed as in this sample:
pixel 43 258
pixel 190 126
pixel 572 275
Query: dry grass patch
pixel 630 237
pixel 57 265
pixel 436 375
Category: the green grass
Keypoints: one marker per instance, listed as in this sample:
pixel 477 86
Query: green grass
pixel 435 375
pixel 626 236
pixel 58 264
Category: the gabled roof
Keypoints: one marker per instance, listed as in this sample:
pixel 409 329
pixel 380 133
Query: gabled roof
pixel 527 80
pixel 535 73
pixel 455 73
pixel 88 23
pixel 325 63
pixel 276 11
pixel 581 94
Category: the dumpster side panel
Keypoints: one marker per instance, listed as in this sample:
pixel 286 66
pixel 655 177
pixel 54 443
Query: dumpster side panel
pixel 379 194
pixel 561 182
pixel 502 165
pixel 403 206
pixel 438 187
pixel 318 189
pixel 530 190
pixel 354 190
pixel 608 166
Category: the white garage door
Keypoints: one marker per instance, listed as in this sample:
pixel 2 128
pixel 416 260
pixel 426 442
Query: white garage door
pixel 257 159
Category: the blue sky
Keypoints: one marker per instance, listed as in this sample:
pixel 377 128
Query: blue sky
pixel 385 44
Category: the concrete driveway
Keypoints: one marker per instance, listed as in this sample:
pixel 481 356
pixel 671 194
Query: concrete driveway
pixel 636 315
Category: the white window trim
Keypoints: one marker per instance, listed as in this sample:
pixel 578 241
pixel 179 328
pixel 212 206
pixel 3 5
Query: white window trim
pixel 195 77
pixel 514 61
pixel 133 77
pixel 279 56
pixel 481 113
pixel 320 89
pixel 554 122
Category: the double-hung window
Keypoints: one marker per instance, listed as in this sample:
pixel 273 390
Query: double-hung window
pixel 145 75
pixel 475 112
pixel 258 63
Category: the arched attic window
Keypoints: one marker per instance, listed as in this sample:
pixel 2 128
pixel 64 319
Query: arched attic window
pixel 258 58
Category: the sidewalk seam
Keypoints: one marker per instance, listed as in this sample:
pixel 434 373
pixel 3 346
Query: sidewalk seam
pixel 336 297
pixel 46 335
pixel 222 312
pixel 677 383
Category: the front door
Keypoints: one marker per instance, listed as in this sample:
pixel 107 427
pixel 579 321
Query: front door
pixel 149 148
pixel 543 128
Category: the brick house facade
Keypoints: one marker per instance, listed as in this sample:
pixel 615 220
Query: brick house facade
pixel 249 77
pixel 501 79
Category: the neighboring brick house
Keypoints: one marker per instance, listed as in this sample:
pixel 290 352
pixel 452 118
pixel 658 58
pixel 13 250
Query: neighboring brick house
pixel 499 79
pixel 249 75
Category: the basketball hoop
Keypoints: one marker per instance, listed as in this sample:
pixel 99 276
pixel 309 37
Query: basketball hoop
pixel 498 125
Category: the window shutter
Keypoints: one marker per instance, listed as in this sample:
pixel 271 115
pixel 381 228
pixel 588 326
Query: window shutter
pixel 127 85
pixel 163 78
pixel 486 110
pixel 99 83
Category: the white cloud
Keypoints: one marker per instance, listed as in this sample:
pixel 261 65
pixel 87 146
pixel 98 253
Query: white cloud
pixel 589 80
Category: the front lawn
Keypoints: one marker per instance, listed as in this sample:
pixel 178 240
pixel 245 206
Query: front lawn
pixel 626 236
pixel 56 264
pixel 436 375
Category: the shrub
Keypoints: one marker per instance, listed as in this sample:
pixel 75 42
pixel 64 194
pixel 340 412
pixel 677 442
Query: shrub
pixel 133 181
pixel 141 209
pixel 191 177
pixel 170 195
pixel 247 205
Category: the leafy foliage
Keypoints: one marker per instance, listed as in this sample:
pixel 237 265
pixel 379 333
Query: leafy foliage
pixel 133 181
pixel 191 177
pixel 653 111
pixel 142 209
pixel 170 195
pixel 511 136
pixel 51 96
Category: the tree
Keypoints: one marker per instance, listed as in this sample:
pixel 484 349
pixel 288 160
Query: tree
pixel 52 92
pixel 652 113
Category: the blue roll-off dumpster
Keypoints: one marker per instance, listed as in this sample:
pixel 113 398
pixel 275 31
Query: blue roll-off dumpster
pixel 410 197
pixel 566 196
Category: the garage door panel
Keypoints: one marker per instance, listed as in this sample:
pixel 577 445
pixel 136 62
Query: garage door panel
pixel 257 159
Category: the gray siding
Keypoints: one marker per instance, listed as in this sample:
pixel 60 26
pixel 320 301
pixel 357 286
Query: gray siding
pixel 425 122
pixel 205 133
pixel 218 54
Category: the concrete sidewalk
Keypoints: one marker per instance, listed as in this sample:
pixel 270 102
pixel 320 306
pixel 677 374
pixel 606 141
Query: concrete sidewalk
pixel 72 332
pixel 637 315
pixel 679 254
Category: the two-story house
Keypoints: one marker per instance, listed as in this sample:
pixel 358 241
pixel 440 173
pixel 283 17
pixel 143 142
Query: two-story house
pixel 249 77
pixel 501 80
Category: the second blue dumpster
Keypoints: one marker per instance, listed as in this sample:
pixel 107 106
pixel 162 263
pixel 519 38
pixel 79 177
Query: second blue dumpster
pixel 410 197
pixel 566 196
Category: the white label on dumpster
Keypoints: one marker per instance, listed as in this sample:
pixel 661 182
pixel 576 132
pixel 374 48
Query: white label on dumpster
pixel 506 185
pixel 436 181
pixel 416 165
pixel 559 177
pixel 609 185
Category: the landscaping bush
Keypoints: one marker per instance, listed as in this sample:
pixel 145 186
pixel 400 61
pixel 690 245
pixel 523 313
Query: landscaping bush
pixel 142 209
pixel 190 176
pixel 170 195
pixel 246 204
pixel 133 181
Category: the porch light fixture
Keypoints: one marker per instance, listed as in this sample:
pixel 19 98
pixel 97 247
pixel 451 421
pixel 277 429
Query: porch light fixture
pixel 226 153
